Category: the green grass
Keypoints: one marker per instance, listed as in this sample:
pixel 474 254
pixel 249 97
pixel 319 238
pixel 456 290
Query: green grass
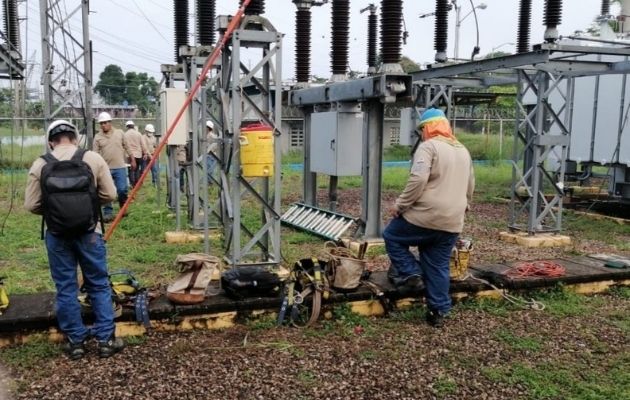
pixel 519 343
pixel 445 386
pixel 29 354
pixel 608 380
pixel 561 302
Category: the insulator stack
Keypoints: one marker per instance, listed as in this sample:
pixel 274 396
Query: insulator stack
pixel 205 22
pixel 255 7
pixel 302 44
pixel 391 30
pixel 372 39
pixel 11 27
pixel 553 17
pixel 441 29
pixel 340 36
pixel 605 7
pixel 524 26
pixel 181 26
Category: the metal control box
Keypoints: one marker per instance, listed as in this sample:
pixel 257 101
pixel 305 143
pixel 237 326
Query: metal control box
pixel 337 143
pixel 171 101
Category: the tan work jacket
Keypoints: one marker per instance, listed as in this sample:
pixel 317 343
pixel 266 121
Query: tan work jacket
pixel 113 147
pixel 440 186
pixel 136 144
pixel 102 178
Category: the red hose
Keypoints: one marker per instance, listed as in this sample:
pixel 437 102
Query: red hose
pixel 236 20
pixel 536 269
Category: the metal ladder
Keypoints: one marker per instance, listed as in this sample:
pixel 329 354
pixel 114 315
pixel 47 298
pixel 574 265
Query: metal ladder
pixel 320 222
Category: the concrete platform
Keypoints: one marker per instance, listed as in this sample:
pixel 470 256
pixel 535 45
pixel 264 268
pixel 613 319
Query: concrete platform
pixel 30 314
pixel 539 240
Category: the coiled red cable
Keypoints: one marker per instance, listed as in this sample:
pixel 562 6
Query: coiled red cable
pixel 536 269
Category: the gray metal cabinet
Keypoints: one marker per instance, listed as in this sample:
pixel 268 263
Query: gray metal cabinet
pixel 337 143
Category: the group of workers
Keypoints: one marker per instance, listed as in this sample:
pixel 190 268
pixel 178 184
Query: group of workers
pixel 428 215
pixel 118 147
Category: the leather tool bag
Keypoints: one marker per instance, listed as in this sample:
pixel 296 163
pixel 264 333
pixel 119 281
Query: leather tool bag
pixel 196 271
pixel 344 268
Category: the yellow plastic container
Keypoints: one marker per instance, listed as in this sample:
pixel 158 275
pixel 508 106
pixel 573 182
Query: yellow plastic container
pixel 460 257
pixel 257 156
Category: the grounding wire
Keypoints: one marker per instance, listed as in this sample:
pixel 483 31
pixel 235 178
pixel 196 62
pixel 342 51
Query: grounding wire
pixel 476 49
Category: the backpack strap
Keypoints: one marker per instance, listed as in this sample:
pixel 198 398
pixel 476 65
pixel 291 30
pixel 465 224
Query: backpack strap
pixel 48 157
pixel 78 155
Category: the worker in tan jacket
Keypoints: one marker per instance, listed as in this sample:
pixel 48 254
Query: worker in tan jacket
pixel 137 150
pixel 150 142
pixel 110 143
pixel 429 214
pixel 57 188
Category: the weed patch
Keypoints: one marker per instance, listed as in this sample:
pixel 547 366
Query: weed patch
pixel 30 354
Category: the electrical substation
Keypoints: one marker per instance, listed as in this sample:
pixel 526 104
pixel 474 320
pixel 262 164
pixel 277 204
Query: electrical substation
pixel 224 108
pixel 571 113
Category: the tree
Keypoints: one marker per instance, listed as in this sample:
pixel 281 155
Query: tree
pixel 141 90
pixel 111 85
pixel 408 65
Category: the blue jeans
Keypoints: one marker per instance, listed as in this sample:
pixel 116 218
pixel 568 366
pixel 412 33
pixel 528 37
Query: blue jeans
pixel 88 251
pixel 435 251
pixel 120 181
pixel 211 162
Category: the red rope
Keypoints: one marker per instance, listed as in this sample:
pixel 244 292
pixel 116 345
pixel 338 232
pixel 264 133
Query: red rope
pixel 536 269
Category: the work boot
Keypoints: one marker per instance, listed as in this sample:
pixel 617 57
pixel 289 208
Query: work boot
pixel 108 218
pixel 393 277
pixel 110 347
pixel 74 351
pixel 435 318
pixel 410 286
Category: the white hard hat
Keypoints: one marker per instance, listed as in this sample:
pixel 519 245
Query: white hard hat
pixel 129 123
pixel 104 117
pixel 60 126
pixel 209 124
pixel 149 128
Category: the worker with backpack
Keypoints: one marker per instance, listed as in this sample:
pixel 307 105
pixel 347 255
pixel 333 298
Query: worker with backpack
pixel 67 187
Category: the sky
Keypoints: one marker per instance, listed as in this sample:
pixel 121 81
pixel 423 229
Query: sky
pixel 138 34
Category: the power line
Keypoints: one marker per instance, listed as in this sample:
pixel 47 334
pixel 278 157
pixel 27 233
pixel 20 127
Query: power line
pixel 149 21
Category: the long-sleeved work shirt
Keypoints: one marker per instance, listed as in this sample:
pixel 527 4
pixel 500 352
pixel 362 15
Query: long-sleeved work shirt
pixel 136 145
pixel 102 178
pixel 150 143
pixel 113 147
pixel 440 186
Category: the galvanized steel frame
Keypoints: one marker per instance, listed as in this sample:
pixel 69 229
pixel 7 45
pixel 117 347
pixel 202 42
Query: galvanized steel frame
pixel 547 69
pixel 254 32
pixel 55 99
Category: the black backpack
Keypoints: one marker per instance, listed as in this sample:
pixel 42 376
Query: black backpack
pixel 250 281
pixel 70 202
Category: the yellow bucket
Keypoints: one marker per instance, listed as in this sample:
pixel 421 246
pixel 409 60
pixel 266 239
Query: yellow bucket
pixel 257 156
pixel 460 257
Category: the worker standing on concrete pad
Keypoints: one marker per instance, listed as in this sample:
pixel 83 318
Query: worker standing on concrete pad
pixel 137 151
pixel 112 146
pixel 430 213
pixel 67 187
pixel 150 142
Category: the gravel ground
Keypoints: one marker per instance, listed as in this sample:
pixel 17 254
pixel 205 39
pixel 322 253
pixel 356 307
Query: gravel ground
pixel 495 353
pixel 477 355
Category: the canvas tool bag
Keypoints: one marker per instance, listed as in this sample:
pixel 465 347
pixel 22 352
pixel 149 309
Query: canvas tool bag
pixel 196 270
pixel 344 268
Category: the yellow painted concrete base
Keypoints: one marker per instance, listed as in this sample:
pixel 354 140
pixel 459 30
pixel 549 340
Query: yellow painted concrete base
pixel 354 245
pixel 187 237
pixel 539 240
